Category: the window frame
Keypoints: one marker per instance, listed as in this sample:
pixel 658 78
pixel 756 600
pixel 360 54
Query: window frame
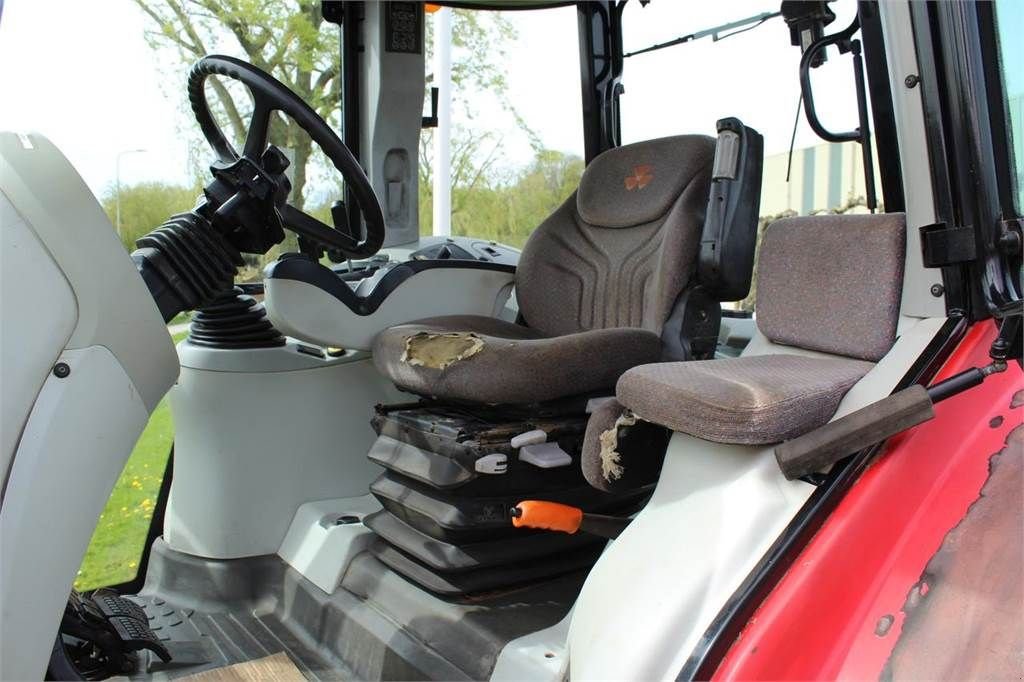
pixel 1002 135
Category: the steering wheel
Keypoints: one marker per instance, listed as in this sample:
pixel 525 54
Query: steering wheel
pixel 258 172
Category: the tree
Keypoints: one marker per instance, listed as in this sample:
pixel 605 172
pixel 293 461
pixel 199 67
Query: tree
pixel 479 53
pixel 147 205
pixel 507 208
pixel 286 38
pixel 290 40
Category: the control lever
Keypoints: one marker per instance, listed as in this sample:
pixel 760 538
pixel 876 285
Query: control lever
pixel 565 519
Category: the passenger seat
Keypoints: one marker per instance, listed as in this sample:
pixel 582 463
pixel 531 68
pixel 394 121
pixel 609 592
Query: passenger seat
pixel 828 301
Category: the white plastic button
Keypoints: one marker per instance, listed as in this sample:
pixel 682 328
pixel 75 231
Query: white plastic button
pixel 529 438
pixel 494 463
pixel 545 455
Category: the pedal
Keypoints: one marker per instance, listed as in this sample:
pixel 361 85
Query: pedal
pixel 111 605
pixel 136 635
pixel 130 622
pixel 106 629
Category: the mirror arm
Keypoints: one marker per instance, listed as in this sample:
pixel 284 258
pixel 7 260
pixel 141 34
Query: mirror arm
pixel 843 40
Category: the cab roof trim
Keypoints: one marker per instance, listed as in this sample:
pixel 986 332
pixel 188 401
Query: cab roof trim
pixel 505 5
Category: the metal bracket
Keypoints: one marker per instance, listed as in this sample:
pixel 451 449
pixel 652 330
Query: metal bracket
pixel 942 245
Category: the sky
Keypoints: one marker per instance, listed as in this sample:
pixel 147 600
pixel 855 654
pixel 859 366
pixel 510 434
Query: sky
pixel 90 83
pixel 681 89
pixel 93 85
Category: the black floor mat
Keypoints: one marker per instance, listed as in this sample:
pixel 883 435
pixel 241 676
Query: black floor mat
pixel 202 641
pixel 376 626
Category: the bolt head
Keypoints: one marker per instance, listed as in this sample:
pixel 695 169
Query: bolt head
pixel 937 290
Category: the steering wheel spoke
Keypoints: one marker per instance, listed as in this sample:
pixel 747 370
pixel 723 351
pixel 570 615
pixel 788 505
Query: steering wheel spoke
pixel 307 226
pixel 259 129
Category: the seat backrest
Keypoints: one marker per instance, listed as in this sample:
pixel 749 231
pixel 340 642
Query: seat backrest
pixel 832 283
pixel 618 252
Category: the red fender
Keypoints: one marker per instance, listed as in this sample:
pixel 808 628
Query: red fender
pixel 843 605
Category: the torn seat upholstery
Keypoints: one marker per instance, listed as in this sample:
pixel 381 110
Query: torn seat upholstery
pixel 829 292
pixel 487 360
pixel 595 284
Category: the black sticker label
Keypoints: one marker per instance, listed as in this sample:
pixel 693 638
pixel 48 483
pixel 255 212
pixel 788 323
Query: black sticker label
pixel 403 25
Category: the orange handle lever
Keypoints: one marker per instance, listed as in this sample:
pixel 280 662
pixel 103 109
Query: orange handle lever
pixel 547 515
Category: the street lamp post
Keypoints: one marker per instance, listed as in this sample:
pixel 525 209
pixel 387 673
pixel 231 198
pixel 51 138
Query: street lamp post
pixel 117 186
pixel 442 134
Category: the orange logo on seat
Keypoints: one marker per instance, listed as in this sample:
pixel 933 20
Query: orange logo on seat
pixel 639 178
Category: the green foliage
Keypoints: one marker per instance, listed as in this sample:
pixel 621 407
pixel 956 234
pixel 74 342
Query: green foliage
pixel 144 207
pixel 479 54
pixel 508 211
pixel 504 209
pixel 121 531
pixel 288 39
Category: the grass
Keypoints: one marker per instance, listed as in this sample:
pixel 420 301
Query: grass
pixel 117 542
pixel 179 319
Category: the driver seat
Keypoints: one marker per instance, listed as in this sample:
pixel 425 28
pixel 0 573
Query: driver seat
pixel 595 284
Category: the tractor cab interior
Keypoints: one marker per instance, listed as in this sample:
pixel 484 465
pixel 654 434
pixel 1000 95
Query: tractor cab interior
pixel 363 458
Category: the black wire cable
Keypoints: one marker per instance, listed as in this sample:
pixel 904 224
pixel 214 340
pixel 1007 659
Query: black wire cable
pixel 792 138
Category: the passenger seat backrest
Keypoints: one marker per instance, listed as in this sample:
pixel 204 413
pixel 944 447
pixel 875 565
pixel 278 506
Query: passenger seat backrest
pixel 618 252
pixel 832 283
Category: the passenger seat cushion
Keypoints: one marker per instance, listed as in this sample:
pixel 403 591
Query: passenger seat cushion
pixel 487 360
pixel 832 283
pixel 749 400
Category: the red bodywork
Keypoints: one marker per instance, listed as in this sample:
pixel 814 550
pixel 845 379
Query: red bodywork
pixel 841 608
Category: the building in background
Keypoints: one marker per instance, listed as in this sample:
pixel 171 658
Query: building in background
pixel 825 177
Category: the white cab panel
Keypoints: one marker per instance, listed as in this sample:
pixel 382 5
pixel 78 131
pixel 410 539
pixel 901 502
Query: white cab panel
pixel 38 315
pixel 320 547
pixel 114 307
pixel 257 436
pixel 913 144
pixel 74 446
pixel 70 294
pixel 716 510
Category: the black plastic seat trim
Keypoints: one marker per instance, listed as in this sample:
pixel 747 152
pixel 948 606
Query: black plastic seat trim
pixel 301 268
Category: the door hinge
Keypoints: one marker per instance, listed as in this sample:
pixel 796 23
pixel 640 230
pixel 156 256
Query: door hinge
pixel 1009 240
pixel 942 245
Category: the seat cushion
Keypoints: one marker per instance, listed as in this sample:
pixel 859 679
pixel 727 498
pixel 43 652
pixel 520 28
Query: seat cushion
pixel 749 400
pixel 487 360
pixel 832 283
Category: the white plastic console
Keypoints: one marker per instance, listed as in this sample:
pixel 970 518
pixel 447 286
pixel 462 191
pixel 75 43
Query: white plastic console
pixel 310 302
